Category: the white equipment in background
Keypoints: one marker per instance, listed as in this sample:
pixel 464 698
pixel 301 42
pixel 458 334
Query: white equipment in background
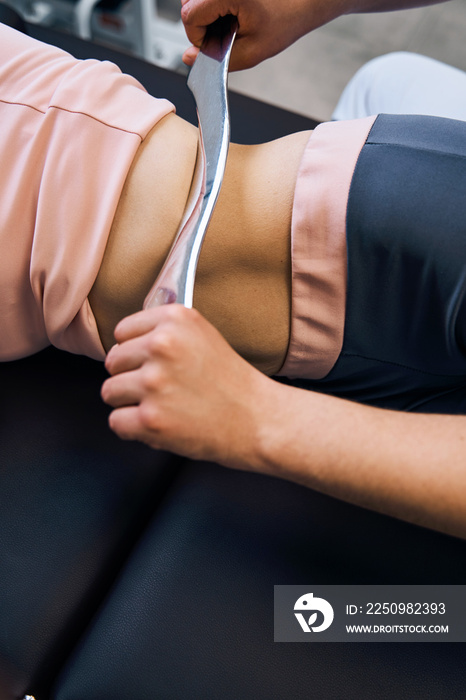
pixel 150 29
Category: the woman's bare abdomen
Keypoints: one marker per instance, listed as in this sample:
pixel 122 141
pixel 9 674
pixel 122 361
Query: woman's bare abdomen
pixel 243 284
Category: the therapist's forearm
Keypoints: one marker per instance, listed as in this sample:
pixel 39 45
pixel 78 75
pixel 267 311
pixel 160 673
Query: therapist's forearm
pixel 410 466
pixel 177 385
pixel 357 6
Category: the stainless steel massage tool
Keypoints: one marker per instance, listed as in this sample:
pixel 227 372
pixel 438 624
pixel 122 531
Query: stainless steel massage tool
pixel 208 83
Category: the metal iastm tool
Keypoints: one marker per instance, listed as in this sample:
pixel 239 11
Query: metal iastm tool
pixel 208 82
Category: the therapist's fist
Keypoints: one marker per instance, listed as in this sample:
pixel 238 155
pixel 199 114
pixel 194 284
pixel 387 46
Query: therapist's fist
pixel 177 385
pixel 266 27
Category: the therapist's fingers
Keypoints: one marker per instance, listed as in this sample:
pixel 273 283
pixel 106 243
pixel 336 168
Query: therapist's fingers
pixel 143 321
pixel 127 424
pixel 141 338
pixel 128 356
pixel 124 389
pixel 197 15
pixel 190 55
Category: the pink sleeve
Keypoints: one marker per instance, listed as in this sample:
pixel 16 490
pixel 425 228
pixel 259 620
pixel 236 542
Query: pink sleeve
pixel 318 241
pixel 70 131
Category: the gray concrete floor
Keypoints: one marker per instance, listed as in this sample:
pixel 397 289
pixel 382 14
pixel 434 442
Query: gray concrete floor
pixel 309 76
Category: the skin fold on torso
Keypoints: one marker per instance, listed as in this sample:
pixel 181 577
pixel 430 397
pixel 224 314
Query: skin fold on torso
pixel 243 282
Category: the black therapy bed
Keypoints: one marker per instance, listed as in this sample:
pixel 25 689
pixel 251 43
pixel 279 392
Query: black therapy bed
pixel 128 574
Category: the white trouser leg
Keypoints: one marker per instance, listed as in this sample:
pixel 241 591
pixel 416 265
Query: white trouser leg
pixel 404 83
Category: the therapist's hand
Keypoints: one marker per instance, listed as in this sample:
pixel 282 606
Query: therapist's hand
pixel 266 27
pixel 177 385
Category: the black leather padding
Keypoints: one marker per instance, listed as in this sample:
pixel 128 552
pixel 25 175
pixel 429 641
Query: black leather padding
pixel 9 16
pixel 191 615
pixel 73 500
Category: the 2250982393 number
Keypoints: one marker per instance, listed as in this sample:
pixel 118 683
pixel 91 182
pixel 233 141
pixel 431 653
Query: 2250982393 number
pixel 405 608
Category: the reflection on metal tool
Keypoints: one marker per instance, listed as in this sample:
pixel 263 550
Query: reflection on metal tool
pixel 208 83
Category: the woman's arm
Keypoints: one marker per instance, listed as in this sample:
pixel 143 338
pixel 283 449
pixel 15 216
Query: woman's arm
pixel 178 385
